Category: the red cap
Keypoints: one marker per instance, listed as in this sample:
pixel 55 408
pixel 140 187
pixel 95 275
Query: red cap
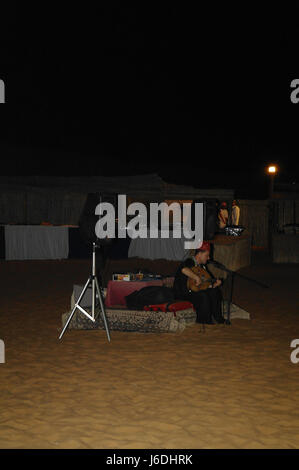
pixel 223 204
pixel 205 246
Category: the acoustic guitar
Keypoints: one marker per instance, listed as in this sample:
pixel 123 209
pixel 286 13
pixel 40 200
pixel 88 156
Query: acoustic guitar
pixel 205 278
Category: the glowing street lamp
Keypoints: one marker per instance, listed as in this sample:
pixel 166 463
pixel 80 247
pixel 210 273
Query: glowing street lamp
pixel 271 170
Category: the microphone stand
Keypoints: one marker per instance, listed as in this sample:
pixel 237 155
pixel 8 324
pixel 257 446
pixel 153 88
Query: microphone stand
pixel 231 281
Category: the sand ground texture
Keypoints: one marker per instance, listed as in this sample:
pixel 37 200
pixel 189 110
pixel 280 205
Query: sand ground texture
pixel 232 387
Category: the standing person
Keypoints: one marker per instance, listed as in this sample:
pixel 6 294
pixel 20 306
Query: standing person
pixel 207 303
pixel 223 216
pixel 235 213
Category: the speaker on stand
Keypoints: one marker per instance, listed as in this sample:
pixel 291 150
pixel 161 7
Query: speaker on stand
pixel 87 223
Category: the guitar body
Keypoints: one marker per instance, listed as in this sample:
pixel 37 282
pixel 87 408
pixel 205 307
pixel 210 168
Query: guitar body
pixel 205 277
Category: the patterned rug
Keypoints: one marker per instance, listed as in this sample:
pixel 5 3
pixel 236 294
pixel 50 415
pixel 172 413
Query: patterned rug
pixel 236 312
pixel 133 320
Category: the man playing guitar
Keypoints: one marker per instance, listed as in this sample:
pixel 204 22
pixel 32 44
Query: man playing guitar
pixel 193 282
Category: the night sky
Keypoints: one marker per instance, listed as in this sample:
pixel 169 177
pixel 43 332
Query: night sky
pixel 200 96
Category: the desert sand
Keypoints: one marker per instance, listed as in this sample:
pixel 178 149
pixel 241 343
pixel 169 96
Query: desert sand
pixel 231 387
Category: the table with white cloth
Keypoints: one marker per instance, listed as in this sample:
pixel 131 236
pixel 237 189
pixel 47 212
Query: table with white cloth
pixel 158 248
pixel 24 242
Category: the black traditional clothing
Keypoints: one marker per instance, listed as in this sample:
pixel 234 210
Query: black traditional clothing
pixel 207 303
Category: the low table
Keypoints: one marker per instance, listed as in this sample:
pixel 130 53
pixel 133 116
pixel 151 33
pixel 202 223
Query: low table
pixel 118 290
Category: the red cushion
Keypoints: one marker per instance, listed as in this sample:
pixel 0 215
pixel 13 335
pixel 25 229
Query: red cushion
pixel 168 307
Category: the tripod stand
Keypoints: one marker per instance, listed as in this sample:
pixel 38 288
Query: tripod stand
pixel 231 275
pixel 95 287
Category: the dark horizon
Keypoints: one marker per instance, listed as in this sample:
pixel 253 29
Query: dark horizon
pixel 199 99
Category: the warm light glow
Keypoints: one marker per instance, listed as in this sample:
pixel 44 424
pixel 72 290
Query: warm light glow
pixel 272 169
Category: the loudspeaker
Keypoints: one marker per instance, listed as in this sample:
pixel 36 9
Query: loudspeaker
pixel 88 218
pixel 210 217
